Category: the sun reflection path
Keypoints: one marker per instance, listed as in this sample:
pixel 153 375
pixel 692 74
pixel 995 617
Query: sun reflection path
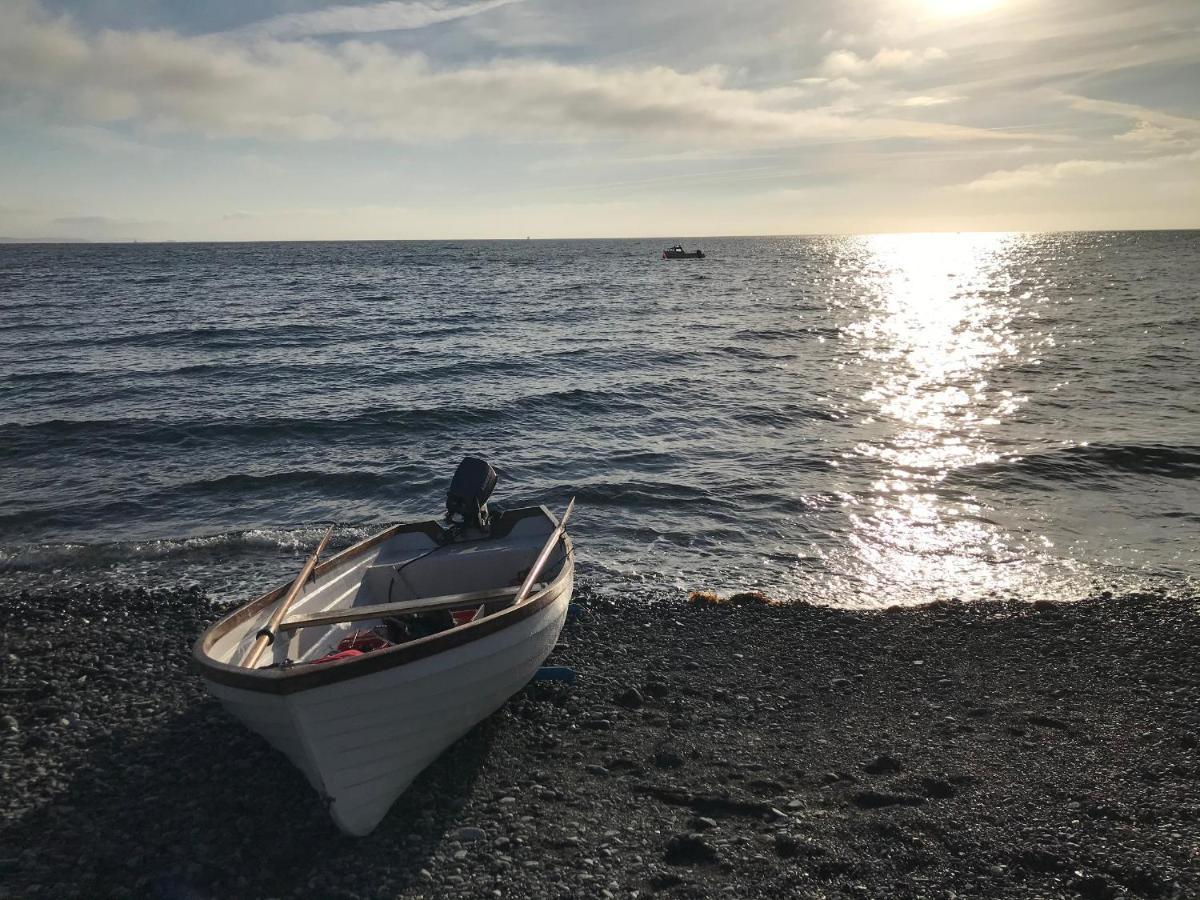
pixel 938 317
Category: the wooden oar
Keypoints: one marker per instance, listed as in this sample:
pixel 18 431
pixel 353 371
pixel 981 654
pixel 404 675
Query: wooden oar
pixel 544 555
pixel 266 634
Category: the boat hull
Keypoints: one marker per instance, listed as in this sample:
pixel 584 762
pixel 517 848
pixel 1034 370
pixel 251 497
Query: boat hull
pixel 361 742
pixel 361 729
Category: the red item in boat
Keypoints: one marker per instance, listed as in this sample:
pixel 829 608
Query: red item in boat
pixel 463 616
pixel 334 657
pixel 364 642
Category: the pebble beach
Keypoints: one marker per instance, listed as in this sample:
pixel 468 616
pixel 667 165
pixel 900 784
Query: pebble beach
pixel 736 749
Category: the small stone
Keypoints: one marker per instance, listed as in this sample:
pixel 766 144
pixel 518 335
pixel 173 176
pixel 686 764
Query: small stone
pixel 883 764
pixel 690 849
pixel 506 801
pixel 703 823
pixel 460 855
pixel 938 789
pixel 1095 887
pixel 657 689
pixel 786 846
pixel 840 683
pixel 11 725
pixel 879 799
pixel 630 698
pixel 596 770
pixel 668 758
pixel 469 834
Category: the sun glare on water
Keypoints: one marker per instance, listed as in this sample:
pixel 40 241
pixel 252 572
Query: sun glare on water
pixel 938 322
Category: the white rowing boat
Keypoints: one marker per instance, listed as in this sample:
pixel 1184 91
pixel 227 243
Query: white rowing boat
pixel 443 626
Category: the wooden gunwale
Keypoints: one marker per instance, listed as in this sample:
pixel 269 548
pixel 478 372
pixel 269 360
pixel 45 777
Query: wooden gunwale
pixel 305 677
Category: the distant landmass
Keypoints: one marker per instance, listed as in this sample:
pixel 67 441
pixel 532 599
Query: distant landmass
pixel 43 240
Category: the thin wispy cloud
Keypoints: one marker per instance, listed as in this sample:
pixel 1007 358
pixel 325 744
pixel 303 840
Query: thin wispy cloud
pixel 375 17
pixel 848 64
pixel 1033 176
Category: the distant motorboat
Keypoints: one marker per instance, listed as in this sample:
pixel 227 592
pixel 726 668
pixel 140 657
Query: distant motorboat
pixel 677 252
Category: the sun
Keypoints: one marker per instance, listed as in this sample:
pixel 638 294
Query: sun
pixel 961 7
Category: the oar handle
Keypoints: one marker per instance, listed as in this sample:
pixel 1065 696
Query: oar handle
pixel 536 570
pixel 266 634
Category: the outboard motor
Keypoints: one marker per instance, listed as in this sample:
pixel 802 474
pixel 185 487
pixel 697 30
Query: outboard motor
pixel 466 501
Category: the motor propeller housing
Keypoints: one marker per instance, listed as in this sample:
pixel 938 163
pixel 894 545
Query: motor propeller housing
pixel 466 501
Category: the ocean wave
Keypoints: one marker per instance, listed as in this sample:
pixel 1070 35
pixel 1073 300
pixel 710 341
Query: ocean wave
pixel 783 415
pixel 324 481
pixel 55 435
pixel 1091 461
pixel 635 494
pixel 283 334
pixel 220 546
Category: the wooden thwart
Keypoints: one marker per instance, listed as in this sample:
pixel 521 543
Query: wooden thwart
pixel 402 607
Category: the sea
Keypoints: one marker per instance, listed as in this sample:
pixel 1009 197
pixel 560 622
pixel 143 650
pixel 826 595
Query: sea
pixel 861 421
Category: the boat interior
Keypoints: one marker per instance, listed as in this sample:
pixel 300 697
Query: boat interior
pixel 468 579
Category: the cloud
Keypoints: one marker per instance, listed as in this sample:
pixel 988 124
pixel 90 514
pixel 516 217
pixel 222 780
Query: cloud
pixel 89 221
pixel 1153 136
pixel 926 100
pixel 1034 176
pixel 847 63
pixel 225 87
pixel 105 141
pixel 390 16
pixel 1142 114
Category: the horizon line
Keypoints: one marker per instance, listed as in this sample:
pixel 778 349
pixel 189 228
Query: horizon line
pixel 48 241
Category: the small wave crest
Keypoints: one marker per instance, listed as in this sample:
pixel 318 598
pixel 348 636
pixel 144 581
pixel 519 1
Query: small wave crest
pixel 103 434
pixel 222 546
pixel 1099 461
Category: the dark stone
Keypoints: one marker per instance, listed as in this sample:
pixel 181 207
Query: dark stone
pixel 1095 887
pixel 833 868
pixel 657 689
pixel 667 758
pixel 630 698
pixel 1047 722
pixel 883 764
pixel 662 881
pixel 938 789
pixel 880 799
pixel 1038 859
pixel 786 845
pixel 690 849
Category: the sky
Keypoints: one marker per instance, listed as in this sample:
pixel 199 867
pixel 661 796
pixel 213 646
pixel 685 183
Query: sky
pixel 297 120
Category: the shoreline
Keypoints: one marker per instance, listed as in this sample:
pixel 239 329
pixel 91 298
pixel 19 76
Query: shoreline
pixel 989 749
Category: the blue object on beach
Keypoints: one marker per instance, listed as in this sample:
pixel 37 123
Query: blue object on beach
pixel 564 674
pixel 573 611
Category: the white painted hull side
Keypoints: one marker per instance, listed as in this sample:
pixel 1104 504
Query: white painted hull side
pixel 362 741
